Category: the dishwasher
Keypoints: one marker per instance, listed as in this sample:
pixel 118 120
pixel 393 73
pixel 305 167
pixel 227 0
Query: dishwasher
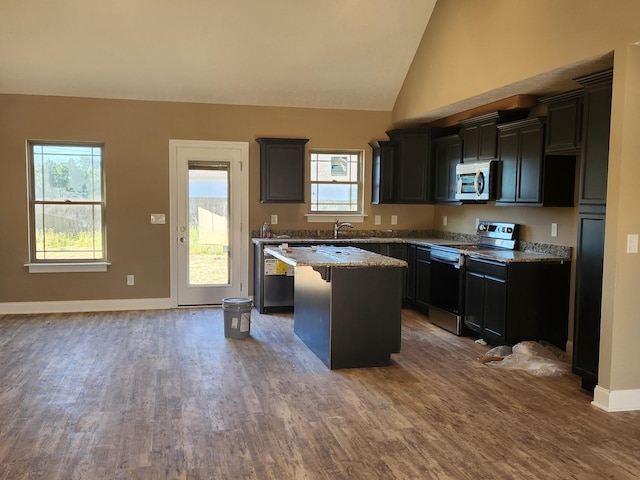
pixel 273 282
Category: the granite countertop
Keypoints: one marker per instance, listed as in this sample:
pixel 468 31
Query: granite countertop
pixel 530 252
pixel 332 256
pixel 516 256
pixel 319 241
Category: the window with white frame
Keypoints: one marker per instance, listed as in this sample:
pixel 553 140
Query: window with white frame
pixel 336 182
pixel 66 202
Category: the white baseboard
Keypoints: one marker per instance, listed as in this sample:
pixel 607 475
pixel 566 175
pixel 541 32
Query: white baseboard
pixel 616 400
pixel 86 306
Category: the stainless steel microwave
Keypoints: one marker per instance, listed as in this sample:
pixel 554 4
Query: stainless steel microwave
pixel 474 181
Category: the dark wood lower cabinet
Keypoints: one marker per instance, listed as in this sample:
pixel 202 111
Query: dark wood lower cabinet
pixel 410 295
pixel 589 257
pixel 349 317
pixel 506 303
pixel 486 300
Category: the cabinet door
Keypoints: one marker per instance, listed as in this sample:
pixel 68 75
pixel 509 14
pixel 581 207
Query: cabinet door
pixel 488 138
pixel 563 125
pixel 411 273
pixel 447 154
pixel 589 256
pixel 412 168
pixel 474 301
pixel 423 273
pixel 383 172
pixel 507 185
pixel 595 150
pixel 282 170
pixel 471 150
pixel 480 139
pixel 399 251
pixel 530 165
pixel 495 310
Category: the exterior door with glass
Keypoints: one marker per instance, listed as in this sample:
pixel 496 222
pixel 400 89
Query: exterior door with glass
pixel 210 248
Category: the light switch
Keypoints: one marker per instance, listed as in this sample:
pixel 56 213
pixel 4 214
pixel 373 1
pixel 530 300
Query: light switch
pixel 394 219
pixel 274 219
pixel 157 218
pixel 444 220
pixel 378 219
pixel 632 243
pixel 554 229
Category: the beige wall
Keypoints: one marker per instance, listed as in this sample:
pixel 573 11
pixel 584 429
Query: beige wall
pixel 136 136
pixel 472 49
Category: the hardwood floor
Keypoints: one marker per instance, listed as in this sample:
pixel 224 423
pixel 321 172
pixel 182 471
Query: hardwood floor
pixel 163 394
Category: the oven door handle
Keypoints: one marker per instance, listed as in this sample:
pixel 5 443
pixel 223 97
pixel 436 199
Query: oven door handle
pixel 448 260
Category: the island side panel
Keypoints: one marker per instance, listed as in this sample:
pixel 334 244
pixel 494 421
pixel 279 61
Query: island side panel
pixel 311 319
pixel 366 316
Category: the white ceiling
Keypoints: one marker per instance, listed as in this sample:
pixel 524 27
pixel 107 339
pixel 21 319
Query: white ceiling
pixel 346 54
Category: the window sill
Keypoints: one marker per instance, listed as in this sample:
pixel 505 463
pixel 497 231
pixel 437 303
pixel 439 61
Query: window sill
pixel 67 267
pixel 334 217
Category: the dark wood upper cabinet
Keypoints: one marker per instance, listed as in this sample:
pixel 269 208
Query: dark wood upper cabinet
pixel 480 137
pixel 447 152
pixel 595 148
pixel 526 175
pixel 383 172
pixel 480 134
pixel 521 152
pixel 564 121
pixel 282 163
pixel 413 167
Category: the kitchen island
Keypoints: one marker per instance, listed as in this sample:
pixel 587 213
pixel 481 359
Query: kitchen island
pixel 348 303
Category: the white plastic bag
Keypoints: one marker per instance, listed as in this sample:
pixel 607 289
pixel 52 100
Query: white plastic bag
pixel 532 357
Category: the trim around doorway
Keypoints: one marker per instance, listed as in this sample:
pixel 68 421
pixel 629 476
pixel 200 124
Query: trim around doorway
pixel 174 145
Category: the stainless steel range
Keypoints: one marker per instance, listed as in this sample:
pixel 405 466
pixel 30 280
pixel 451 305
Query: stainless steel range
pixel 446 284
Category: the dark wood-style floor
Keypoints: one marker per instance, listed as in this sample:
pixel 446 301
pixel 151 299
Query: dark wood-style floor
pixel 163 394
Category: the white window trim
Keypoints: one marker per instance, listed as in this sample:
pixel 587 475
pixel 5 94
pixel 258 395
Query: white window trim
pixel 67 267
pixel 332 217
pixel 63 266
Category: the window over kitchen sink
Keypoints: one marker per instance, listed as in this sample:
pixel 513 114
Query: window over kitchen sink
pixel 335 178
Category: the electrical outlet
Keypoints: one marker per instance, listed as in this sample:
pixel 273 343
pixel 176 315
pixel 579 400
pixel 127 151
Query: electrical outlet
pixel 554 229
pixel 444 220
pixel 274 219
pixel 131 280
pixel 477 223
pixel 157 219
pixel 394 219
pixel 632 243
pixel 378 219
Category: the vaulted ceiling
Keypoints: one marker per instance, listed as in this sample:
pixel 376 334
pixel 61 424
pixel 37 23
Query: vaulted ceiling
pixel 346 54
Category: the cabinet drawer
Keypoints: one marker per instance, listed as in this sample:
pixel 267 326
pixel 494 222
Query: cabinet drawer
pixel 487 267
pixel 423 254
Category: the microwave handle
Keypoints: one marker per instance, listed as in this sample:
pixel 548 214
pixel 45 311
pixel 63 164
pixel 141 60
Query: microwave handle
pixel 476 182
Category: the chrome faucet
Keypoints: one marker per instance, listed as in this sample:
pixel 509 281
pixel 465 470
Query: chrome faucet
pixel 338 226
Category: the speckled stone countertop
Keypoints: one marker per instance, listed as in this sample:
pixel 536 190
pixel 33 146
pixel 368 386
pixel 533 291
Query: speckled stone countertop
pixel 528 251
pixel 334 241
pixel 516 256
pixel 328 256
